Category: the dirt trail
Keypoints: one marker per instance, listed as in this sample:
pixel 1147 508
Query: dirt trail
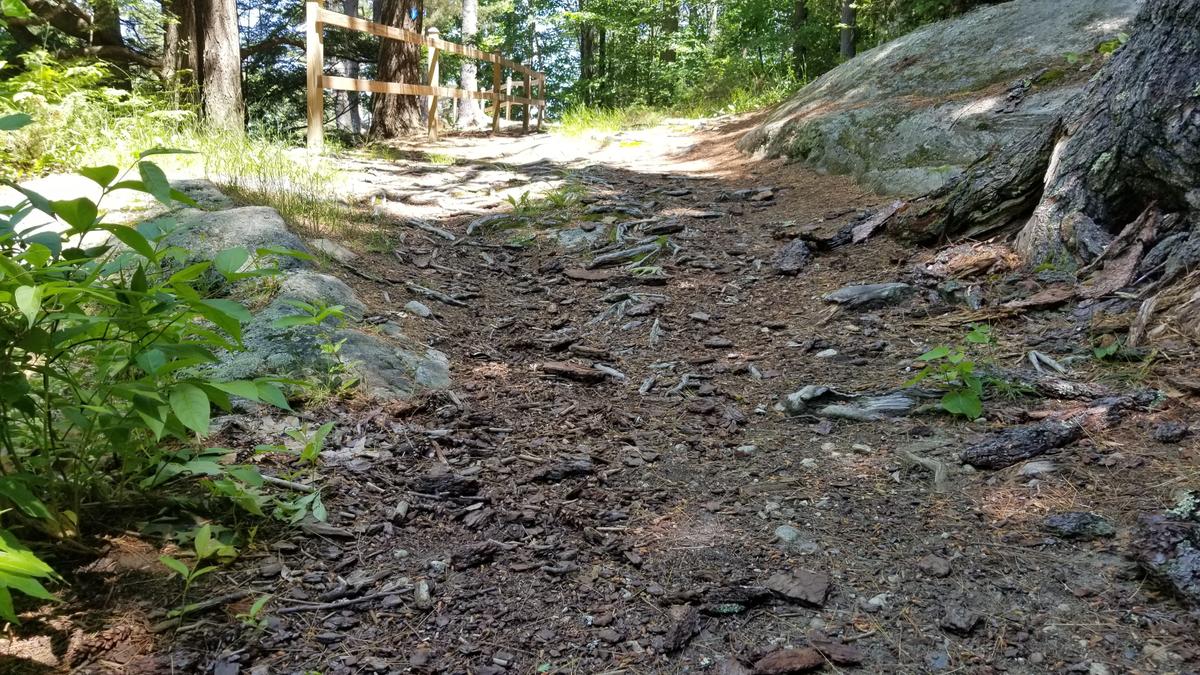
pixel 663 515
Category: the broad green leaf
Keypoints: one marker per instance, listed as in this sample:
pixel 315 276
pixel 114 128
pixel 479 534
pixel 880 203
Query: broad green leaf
pixel 270 393
pixel 51 240
pixel 203 541
pixel 133 239
pixel 6 606
pixel 230 261
pixel 242 388
pixel 29 301
pixel 164 151
pixel 101 175
pixel 155 181
pixel 962 402
pixel 174 565
pixel 190 405
pixel 935 353
pixel 14 122
pixel 27 585
pixel 78 213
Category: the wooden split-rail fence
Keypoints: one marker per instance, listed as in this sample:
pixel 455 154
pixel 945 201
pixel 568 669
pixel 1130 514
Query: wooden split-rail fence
pixel 500 95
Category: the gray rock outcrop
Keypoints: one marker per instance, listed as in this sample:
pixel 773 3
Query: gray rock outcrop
pixel 907 116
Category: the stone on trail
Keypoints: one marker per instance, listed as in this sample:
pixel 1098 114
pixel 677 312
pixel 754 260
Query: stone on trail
pixel 207 233
pixel 1170 432
pixel 934 566
pixel 1078 525
pixel 1168 547
pixel 792 257
pixel 685 624
pixel 418 309
pixel 869 295
pixel 959 620
pixel 387 368
pixel 334 250
pixel 910 114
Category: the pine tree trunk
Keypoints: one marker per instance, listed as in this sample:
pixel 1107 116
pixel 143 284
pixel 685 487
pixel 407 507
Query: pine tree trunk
pixel 469 114
pixel 1114 185
pixel 799 44
pixel 849 30
pixel 351 120
pixel 395 115
pixel 220 65
pixel 1130 146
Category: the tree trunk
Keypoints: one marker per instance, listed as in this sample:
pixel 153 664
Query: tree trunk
pixel 106 17
pixel 470 116
pixel 587 67
pixel 349 103
pixel 799 39
pixel 849 31
pixel 220 65
pixel 396 115
pixel 1113 185
pixel 670 27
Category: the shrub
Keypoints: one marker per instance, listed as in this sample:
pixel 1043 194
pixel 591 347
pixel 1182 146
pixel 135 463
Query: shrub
pixel 105 333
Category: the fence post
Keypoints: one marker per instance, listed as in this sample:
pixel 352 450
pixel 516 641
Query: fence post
pixel 496 95
pixel 315 52
pixel 434 81
pixel 528 107
pixel 542 100
pixel 508 92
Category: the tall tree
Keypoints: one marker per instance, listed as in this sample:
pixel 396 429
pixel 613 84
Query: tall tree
pixel 469 113
pixel 220 65
pixel 849 29
pixel 395 115
pixel 799 39
pixel 350 102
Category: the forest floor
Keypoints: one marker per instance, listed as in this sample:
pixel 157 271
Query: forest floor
pixel 545 516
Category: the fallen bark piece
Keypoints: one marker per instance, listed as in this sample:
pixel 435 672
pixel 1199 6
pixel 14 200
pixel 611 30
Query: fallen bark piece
pixel 786 661
pixel 474 555
pixel 862 231
pixel 839 652
pixel 571 371
pixel 569 468
pixel 801 586
pixel 684 626
pixel 590 275
pixel 1015 444
pixel 866 295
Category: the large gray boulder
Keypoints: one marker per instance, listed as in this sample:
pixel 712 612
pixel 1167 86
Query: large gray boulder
pixel 907 116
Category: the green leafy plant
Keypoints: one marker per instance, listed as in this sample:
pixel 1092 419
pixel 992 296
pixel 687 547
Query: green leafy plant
pixel 106 335
pixel 950 369
pixel 338 380
pixel 205 548
pixel 22 571
pixel 252 617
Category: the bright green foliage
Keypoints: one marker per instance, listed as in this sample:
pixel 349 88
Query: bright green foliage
pixel 950 369
pixel 205 548
pixel 21 570
pixel 105 334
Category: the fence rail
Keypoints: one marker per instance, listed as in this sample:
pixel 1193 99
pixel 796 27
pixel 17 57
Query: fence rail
pixel 317 18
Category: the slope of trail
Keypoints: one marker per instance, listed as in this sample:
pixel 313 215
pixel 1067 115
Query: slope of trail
pixel 660 514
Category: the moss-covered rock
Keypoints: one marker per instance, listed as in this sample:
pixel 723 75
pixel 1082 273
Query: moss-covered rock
pixel 910 114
